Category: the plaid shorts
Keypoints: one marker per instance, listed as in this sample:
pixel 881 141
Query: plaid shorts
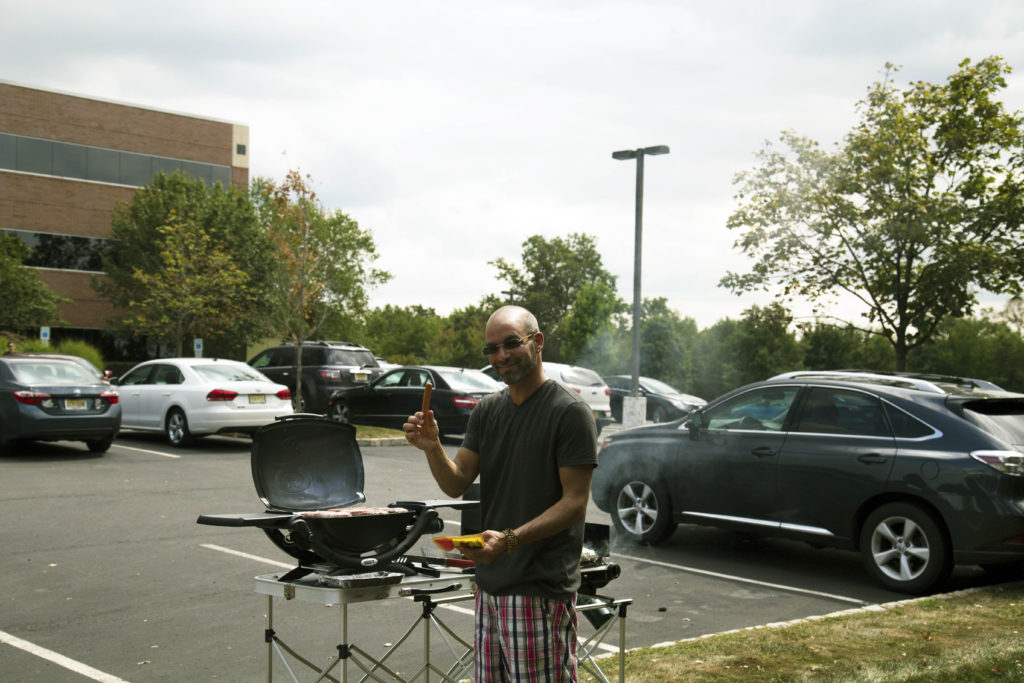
pixel 524 638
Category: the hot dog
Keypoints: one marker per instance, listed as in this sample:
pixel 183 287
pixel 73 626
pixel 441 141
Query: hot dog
pixel 427 422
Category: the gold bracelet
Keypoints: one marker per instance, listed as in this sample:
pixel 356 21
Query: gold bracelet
pixel 510 540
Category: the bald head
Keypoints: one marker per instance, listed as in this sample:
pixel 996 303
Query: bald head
pixel 515 317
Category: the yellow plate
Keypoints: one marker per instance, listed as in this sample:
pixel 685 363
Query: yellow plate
pixel 451 542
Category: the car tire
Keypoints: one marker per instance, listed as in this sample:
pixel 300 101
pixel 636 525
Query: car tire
pixel 176 428
pixel 642 511
pixel 904 548
pixel 339 412
pixel 99 445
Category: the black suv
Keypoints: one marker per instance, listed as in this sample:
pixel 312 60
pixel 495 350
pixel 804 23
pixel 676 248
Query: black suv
pixel 918 474
pixel 326 367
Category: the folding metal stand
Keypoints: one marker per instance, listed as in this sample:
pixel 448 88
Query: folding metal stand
pixel 421 589
pixel 609 612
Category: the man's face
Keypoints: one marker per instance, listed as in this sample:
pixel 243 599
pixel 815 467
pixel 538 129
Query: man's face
pixel 516 364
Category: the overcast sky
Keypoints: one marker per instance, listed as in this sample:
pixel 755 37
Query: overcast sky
pixel 456 130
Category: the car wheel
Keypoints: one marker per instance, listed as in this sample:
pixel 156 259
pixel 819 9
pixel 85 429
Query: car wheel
pixel 904 548
pixel 642 511
pixel 339 412
pixel 99 445
pixel 659 414
pixel 177 428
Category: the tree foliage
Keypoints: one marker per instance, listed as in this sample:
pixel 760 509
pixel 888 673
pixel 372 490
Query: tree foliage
pixel 28 302
pixel 193 289
pixel 562 281
pixel 917 209
pixel 154 235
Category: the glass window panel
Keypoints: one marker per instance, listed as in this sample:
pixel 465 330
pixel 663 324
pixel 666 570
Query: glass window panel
pixel 197 170
pixel 34 155
pixel 136 169
pixel 103 165
pixel 8 151
pixel 220 174
pixel 69 161
pixel 165 165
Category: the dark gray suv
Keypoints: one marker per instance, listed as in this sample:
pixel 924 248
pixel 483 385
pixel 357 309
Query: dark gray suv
pixel 917 474
pixel 326 367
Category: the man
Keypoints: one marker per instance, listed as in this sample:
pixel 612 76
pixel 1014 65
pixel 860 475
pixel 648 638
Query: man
pixel 534 446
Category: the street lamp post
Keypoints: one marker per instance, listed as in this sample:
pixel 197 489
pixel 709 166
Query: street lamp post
pixel 638 409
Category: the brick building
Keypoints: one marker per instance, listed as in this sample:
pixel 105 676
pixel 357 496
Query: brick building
pixel 67 160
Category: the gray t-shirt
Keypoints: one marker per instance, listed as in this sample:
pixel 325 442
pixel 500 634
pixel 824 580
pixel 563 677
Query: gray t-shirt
pixel 520 450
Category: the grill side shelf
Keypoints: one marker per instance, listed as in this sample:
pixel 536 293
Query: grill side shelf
pixel 253 519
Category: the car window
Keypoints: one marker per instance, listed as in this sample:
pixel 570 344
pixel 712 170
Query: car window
pixel 262 359
pixel 469 381
pixel 582 376
pixel 313 355
pixel 137 376
pixel 761 409
pixel 49 372
pixel 392 379
pixel 166 374
pixel 839 411
pixel 906 426
pixel 228 372
pixel 415 378
pixel 1003 419
pixel 658 387
pixel 617 382
pixel 354 357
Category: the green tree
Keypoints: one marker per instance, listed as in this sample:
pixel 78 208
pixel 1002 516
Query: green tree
pixel 667 345
pixel 28 302
pixel 558 276
pixel 918 209
pixel 322 262
pixel 171 206
pixel 766 344
pixel 191 292
pixel 461 335
pixel 974 347
pixel 718 364
pixel 402 335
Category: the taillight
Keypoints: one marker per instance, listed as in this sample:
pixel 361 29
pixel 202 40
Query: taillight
pixel 1007 462
pixel 110 396
pixel 607 391
pixel 221 395
pixel 285 394
pixel 465 401
pixel 577 390
pixel 31 398
pixel 327 373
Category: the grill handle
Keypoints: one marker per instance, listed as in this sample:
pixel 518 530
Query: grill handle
pixel 427 521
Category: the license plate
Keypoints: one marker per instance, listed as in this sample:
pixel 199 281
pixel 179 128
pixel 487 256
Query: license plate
pixel 360 376
pixel 257 398
pixel 74 404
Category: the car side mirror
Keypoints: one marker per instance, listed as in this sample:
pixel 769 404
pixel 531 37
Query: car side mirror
pixel 694 424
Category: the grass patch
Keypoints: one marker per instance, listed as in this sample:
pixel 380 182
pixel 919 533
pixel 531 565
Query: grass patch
pixel 365 432
pixel 966 636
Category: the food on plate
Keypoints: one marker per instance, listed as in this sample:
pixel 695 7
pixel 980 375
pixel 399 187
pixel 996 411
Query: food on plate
pixel 451 542
pixel 336 513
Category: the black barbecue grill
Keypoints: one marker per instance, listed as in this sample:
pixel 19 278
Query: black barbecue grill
pixel 308 471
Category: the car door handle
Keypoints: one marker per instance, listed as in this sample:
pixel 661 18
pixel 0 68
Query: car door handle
pixel 872 459
pixel 763 452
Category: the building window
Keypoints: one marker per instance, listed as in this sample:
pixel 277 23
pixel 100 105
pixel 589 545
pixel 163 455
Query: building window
pixel 62 252
pixel 240 150
pixel 70 160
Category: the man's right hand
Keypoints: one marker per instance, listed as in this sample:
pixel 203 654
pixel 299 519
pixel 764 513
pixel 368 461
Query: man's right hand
pixel 420 432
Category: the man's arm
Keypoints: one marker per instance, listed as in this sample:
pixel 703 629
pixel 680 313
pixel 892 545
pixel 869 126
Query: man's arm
pixel 453 476
pixel 568 510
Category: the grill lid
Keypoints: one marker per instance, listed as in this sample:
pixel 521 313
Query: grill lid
pixel 307 462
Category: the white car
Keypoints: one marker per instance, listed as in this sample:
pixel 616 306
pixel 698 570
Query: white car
pixel 189 397
pixel 585 382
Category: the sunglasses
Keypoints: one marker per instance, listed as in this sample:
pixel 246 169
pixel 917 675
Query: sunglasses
pixel 508 344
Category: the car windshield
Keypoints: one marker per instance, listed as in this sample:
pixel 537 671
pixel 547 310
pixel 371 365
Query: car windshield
pixel 222 372
pixel 581 376
pixel 354 357
pixel 657 386
pixel 1003 419
pixel 51 372
pixel 468 381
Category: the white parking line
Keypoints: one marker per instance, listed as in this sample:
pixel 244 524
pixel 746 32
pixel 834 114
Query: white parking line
pixel 740 579
pixel 145 450
pixel 59 659
pixel 236 553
